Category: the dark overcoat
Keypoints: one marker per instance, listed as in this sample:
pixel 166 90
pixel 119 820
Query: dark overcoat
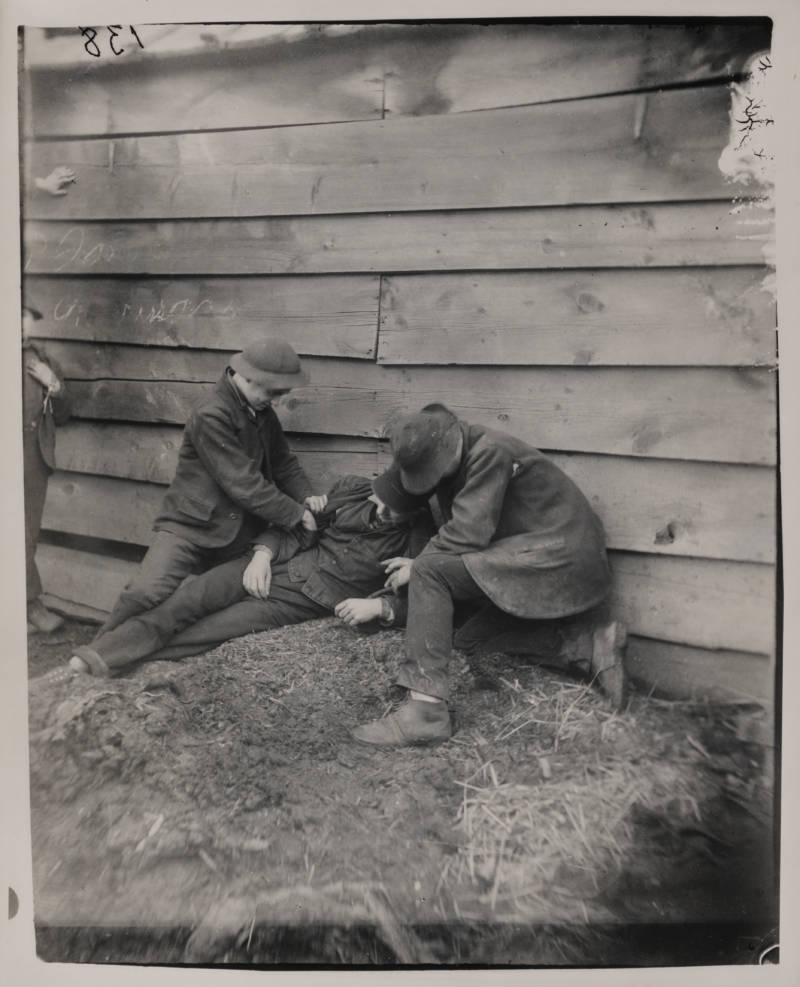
pixel 527 535
pixel 235 470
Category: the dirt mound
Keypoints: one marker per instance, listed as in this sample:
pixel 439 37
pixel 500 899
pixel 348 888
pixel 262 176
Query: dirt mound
pixel 222 797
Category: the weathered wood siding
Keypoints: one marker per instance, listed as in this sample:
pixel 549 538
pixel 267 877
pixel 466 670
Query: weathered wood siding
pixel 528 222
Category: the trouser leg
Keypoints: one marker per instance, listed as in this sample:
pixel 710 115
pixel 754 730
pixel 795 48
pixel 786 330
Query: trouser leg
pixel 285 605
pixel 146 632
pixel 437 580
pixel 168 561
pixel 36 476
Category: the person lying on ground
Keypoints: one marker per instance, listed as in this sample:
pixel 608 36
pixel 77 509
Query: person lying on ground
pixel 519 539
pixel 235 475
pixel 290 576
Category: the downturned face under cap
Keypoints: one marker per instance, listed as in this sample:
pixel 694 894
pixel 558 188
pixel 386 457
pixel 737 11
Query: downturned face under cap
pixel 424 446
pixel 391 491
pixel 271 362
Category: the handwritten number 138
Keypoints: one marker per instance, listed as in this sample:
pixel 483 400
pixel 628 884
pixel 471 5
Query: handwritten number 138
pixel 92 47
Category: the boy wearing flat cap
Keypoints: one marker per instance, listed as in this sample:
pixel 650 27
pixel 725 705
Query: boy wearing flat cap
pixel 235 476
pixel 519 542
pixel 45 404
pixel 290 577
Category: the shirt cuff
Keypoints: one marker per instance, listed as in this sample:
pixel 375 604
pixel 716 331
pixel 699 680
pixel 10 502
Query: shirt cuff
pixel 387 612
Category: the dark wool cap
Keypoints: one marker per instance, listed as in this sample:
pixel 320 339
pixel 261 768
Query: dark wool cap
pixel 424 446
pixel 271 362
pixel 388 487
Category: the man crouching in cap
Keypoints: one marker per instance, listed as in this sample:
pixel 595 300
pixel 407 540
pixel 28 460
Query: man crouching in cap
pixel 235 475
pixel 290 576
pixel 520 543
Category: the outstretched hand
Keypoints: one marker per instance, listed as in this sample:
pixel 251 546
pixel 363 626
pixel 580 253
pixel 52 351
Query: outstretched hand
pixel 355 611
pixel 257 576
pixel 56 180
pixel 398 571
pixel 42 373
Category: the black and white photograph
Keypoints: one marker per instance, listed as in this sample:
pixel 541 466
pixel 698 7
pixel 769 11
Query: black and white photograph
pixel 401 471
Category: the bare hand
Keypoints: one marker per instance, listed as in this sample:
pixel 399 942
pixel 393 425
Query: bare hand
pixel 308 521
pixel 56 180
pixel 398 571
pixel 355 611
pixel 258 575
pixel 316 503
pixel 43 374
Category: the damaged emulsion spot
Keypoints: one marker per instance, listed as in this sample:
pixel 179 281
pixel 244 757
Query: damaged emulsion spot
pixel 666 535
pixel 645 437
pixel 583 358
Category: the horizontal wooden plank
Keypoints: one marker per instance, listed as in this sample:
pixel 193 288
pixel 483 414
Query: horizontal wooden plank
pixel 508 64
pixel 661 147
pixel 701 602
pixel 83 577
pixel 425 68
pixel 710 612
pixel 64 49
pixel 697 317
pixel 678 671
pixel 102 507
pixel 712 414
pixel 150 452
pixel 654 506
pixel 256 87
pixel 327 316
pixel 132 452
pixel 124 510
pixel 667 507
pixel 687 234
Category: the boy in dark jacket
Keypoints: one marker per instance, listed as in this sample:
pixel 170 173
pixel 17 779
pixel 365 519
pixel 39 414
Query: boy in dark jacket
pixel 289 577
pixel 519 542
pixel 45 404
pixel 235 475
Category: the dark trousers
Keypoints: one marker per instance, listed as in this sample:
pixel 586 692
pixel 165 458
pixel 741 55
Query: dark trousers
pixel 168 561
pixel 203 612
pixel 439 582
pixel 36 475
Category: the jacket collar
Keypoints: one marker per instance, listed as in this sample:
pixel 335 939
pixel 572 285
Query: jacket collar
pixel 226 389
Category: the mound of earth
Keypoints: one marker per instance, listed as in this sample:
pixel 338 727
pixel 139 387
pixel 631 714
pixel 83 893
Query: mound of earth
pixel 216 810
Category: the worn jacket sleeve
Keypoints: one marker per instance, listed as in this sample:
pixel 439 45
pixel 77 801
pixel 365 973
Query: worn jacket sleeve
pixel 421 532
pixel 284 544
pixel 477 506
pixel 220 451
pixel 289 474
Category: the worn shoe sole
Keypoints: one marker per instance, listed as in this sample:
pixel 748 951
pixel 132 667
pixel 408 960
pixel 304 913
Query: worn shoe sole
pixel 400 742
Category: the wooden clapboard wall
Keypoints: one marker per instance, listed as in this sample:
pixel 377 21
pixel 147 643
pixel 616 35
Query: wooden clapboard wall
pixel 526 221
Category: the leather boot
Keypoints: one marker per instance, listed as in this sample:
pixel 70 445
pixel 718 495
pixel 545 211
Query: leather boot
pixel 415 723
pixel 42 619
pixel 87 660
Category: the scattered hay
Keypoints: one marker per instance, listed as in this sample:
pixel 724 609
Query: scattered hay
pixel 232 777
pixel 574 824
